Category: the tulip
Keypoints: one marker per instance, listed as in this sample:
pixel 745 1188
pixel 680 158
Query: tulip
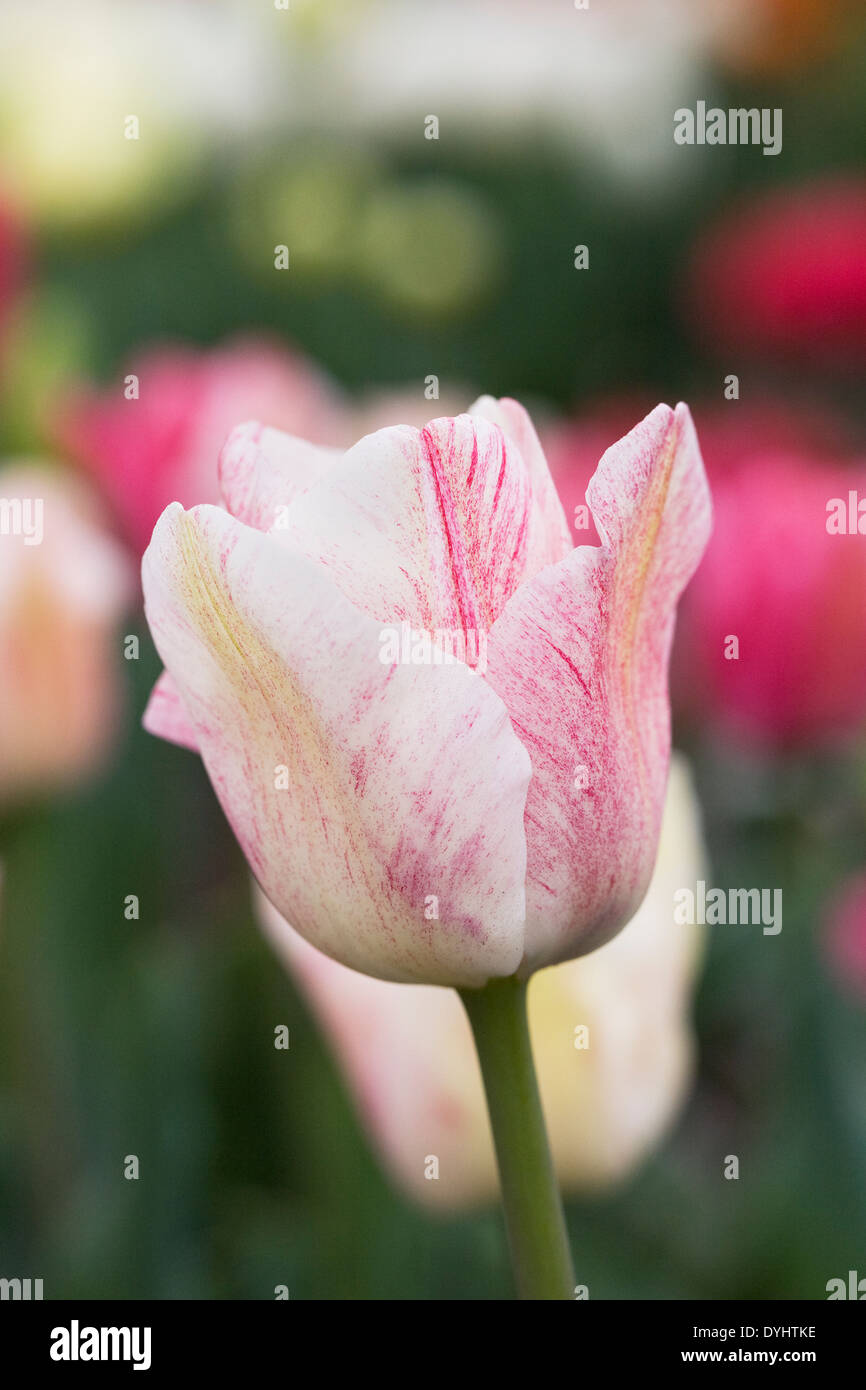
pixel 160 444
pixel 456 527
pixel 432 823
pixel 63 584
pixel 408 1057
pixel 785 275
pixel 797 674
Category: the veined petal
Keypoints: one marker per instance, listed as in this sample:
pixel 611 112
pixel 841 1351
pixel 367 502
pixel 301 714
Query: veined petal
pixel 166 715
pixel 262 470
pixel 613 1099
pixel 379 806
pixel 580 658
pixel 436 527
pixel 514 422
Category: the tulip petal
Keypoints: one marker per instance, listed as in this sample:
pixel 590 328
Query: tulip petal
pixel 580 658
pixel 261 470
pixel 619 1091
pixel 166 716
pixel 515 422
pixel 379 806
pixel 436 527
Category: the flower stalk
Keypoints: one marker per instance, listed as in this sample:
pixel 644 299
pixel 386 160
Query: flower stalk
pixel 534 1216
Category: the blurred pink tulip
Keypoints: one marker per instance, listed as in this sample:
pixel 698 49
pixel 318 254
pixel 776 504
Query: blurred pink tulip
pixel 772 637
pixel 63 585
pixel 161 447
pixel 845 935
pixel 609 1092
pixel 429 822
pixel 785 275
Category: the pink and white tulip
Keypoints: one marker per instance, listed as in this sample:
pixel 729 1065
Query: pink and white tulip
pixel 436 823
pixel 609 1092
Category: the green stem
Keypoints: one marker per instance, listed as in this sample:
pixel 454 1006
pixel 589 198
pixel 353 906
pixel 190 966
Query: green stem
pixel 530 1195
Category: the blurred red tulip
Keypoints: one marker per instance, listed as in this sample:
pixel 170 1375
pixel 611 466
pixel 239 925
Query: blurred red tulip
pixel 161 445
pixel 785 275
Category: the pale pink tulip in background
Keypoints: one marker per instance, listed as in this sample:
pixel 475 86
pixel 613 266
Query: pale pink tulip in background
pixel 60 651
